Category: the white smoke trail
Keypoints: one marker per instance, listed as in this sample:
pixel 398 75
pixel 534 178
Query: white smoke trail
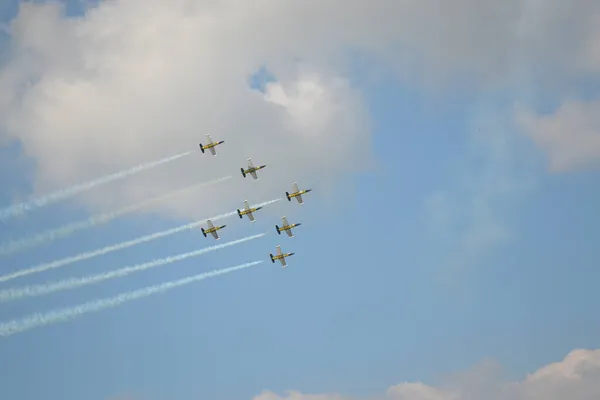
pixel 66 314
pixel 73 190
pixel 72 283
pixel 118 246
pixel 50 235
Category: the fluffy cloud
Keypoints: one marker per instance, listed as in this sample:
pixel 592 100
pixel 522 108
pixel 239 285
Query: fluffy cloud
pixel 136 80
pixel 577 377
pixel 570 136
pixel 131 82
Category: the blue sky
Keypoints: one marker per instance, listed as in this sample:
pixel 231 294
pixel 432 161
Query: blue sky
pixel 383 288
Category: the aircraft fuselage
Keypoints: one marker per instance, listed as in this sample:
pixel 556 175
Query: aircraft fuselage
pixel 282 256
pixel 244 212
pixel 251 170
pixel 288 227
pixel 208 146
pixel 216 228
pixel 301 192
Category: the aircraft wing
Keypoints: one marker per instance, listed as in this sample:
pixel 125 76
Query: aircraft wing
pixel 215 234
pixel 282 261
pixel 284 221
pixel 278 248
pixel 295 187
pixel 250 216
pixel 208 139
pixel 253 173
pixel 210 224
pixel 289 232
pixel 213 151
pixel 250 165
pixel 246 206
pixel 300 199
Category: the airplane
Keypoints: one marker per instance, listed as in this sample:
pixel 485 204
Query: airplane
pixel 211 145
pixel 251 169
pixel 297 193
pixel 286 227
pixel 280 256
pixel 212 229
pixel 247 211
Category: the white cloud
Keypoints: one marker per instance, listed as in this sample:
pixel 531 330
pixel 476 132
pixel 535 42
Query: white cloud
pixel 570 136
pixel 131 82
pixel 577 377
pixel 137 80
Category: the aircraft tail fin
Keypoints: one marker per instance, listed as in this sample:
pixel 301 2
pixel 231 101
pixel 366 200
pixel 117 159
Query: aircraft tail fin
pixel 239 213
pixel 243 172
pixel 201 147
pixel 203 232
pixel 288 196
pixel 272 259
pixel 278 230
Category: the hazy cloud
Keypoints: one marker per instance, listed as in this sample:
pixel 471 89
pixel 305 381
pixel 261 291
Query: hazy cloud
pixel 577 377
pixel 470 216
pixel 570 136
pixel 137 80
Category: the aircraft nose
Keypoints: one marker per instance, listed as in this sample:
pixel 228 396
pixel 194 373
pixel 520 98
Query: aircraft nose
pixel 299 223
pixel 291 254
